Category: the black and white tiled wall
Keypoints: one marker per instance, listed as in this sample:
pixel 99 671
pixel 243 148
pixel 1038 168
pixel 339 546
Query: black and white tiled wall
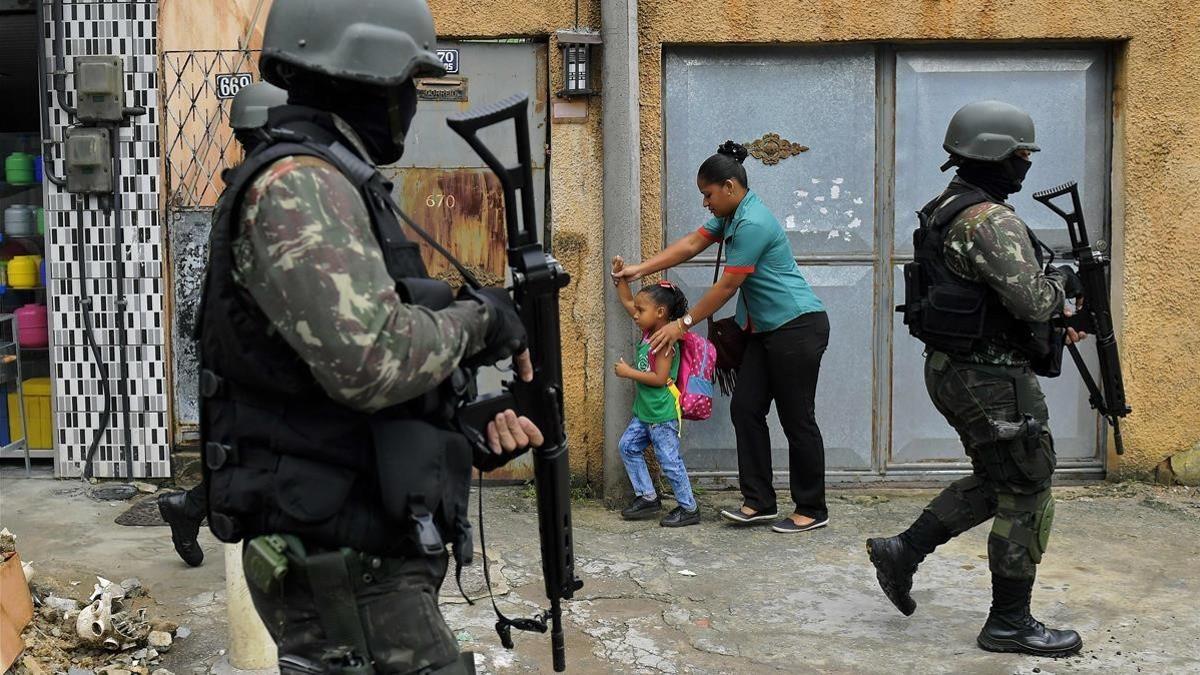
pixel 127 28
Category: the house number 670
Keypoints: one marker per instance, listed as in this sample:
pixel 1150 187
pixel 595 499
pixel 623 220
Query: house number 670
pixel 436 200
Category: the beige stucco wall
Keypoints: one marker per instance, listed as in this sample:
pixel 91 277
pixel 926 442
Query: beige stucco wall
pixel 212 24
pixel 1156 172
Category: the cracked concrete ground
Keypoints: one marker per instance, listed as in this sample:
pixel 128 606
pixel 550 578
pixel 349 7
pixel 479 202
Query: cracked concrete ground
pixel 1122 569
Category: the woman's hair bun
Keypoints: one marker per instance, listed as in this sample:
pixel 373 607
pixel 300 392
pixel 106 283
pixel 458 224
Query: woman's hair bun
pixel 734 150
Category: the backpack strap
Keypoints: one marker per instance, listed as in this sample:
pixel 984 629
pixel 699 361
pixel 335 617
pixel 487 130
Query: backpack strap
pixel 678 396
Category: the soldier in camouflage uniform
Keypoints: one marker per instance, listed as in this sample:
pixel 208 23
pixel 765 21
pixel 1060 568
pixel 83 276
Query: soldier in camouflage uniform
pixel 989 393
pixel 184 511
pixel 330 369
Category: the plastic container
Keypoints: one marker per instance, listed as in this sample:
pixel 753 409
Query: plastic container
pixel 18 168
pixel 37 169
pixel 23 271
pixel 41 221
pixel 37 411
pixel 3 277
pixel 32 330
pixel 20 220
pixel 42 270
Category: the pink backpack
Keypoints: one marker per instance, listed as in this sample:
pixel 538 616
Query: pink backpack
pixel 697 362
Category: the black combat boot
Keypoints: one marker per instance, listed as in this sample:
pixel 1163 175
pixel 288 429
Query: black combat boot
pixel 1011 628
pixel 896 558
pixel 185 526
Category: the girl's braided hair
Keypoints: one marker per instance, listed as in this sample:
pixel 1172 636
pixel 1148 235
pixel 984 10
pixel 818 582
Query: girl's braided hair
pixel 668 295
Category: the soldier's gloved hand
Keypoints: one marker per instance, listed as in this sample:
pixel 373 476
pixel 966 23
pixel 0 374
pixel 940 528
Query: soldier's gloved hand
pixel 1072 284
pixel 505 335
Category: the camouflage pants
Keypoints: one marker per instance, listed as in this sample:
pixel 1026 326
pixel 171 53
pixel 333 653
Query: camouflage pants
pixel 1000 414
pixel 398 608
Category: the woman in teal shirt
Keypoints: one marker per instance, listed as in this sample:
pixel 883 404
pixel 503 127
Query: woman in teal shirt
pixel 789 331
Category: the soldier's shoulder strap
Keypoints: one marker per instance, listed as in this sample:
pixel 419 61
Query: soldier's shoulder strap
pixel 951 203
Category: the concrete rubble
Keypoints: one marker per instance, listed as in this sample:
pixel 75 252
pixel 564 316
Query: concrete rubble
pixel 109 635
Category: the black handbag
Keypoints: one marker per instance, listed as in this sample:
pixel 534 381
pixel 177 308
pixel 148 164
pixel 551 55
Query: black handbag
pixel 729 339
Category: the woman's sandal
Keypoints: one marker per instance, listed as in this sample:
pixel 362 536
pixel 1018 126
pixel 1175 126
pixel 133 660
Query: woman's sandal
pixel 789 526
pixel 742 518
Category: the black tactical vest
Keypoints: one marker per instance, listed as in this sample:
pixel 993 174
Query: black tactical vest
pixel 281 456
pixel 952 314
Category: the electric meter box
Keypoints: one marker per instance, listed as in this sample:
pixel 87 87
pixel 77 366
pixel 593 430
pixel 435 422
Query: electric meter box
pixel 99 88
pixel 89 160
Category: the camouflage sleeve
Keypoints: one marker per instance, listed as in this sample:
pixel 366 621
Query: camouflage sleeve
pixel 1002 256
pixel 308 257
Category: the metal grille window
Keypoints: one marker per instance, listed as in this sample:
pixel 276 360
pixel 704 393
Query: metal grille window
pixel 846 144
pixel 197 88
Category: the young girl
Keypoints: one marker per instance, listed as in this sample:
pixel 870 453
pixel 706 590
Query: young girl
pixel 656 413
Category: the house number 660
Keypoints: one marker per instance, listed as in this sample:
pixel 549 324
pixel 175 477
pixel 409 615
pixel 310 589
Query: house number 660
pixel 436 200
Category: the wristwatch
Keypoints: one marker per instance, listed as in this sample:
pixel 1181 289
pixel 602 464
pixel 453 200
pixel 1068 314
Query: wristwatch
pixel 687 321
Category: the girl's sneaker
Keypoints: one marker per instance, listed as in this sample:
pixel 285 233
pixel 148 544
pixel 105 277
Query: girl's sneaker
pixel 642 508
pixel 681 517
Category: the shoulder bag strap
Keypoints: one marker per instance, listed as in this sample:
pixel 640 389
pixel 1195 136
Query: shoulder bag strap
pixel 717 266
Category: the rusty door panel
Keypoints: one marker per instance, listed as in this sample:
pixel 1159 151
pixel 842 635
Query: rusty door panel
pixel 445 187
pixel 463 209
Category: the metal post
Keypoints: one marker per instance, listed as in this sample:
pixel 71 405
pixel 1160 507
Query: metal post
pixel 622 215
pixel 251 647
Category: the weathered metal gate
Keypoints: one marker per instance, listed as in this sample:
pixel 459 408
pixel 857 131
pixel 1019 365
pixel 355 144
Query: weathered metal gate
pixel 442 183
pixel 847 141
pixel 446 187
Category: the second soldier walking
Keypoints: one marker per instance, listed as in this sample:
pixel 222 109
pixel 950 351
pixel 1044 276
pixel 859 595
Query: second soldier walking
pixel 978 297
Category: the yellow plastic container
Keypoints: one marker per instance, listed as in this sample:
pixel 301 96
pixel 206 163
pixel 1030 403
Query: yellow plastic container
pixel 37 411
pixel 23 271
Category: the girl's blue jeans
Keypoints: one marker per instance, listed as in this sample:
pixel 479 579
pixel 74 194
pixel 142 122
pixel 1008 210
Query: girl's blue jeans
pixel 665 438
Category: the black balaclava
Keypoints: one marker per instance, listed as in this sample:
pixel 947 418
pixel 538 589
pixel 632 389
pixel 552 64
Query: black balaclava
pixel 999 179
pixel 248 138
pixel 380 116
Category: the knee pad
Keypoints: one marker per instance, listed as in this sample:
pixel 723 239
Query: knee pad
pixel 1025 520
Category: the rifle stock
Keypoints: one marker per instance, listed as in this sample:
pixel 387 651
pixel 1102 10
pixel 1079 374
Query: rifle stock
pixel 1107 397
pixel 537 280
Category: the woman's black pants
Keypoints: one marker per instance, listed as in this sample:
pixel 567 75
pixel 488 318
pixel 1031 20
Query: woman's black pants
pixel 782 366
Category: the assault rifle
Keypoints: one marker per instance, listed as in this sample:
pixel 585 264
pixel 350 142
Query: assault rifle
pixel 1095 316
pixel 537 279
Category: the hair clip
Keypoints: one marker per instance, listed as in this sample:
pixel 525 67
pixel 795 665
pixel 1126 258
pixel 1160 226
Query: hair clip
pixel 666 284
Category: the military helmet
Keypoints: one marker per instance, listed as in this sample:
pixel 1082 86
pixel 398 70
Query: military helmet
pixel 381 42
pixel 250 105
pixel 989 131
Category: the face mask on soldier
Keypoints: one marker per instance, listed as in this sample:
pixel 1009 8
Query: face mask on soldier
pixel 381 117
pixel 384 123
pixel 1000 179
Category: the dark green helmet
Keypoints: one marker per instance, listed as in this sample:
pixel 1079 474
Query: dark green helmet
pixel 376 42
pixel 250 105
pixel 989 131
